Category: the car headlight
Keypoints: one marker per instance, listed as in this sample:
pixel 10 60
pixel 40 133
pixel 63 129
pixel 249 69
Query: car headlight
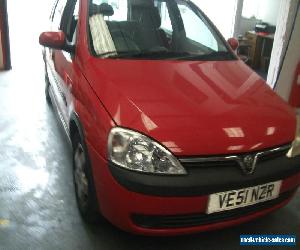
pixel 295 150
pixel 133 151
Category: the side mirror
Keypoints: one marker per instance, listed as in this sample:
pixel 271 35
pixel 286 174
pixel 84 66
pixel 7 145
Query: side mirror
pixel 55 40
pixel 233 43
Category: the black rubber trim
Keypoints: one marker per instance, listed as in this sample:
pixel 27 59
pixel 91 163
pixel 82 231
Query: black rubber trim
pixel 5 34
pixel 203 181
pixel 193 220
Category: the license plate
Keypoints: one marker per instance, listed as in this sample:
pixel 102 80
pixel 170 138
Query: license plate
pixel 243 197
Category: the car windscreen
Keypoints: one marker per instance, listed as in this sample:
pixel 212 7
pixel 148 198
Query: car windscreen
pixel 153 29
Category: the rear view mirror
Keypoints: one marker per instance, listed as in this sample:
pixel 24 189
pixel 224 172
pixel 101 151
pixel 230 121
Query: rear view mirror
pixel 233 43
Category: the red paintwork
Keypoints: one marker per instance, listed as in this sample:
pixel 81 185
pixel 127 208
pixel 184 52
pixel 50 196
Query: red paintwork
pixel 118 204
pixel 234 43
pixel 52 39
pixel 193 108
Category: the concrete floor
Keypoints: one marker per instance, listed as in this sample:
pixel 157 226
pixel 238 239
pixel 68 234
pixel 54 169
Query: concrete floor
pixel 37 202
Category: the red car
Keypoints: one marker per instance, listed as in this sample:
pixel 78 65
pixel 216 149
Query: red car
pixel 171 132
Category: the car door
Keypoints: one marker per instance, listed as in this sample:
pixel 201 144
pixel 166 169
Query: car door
pixel 62 63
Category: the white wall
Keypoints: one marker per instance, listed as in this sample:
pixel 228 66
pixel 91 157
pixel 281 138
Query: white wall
pixel 263 10
pixel 246 24
pixel 268 11
pixel 292 58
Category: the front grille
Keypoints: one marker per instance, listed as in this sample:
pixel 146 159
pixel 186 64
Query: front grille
pixel 231 160
pixel 193 220
pixel 274 155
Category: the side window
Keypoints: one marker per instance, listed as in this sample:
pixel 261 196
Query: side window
pixel 53 9
pixel 200 35
pixel 60 6
pixel 65 18
pixel 70 20
pixel 166 24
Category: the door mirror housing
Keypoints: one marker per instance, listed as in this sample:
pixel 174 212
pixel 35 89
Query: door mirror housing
pixel 55 40
pixel 233 43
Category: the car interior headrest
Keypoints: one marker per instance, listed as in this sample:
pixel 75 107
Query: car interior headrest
pixel 142 3
pixel 155 16
pixel 103 9
pixel 147 13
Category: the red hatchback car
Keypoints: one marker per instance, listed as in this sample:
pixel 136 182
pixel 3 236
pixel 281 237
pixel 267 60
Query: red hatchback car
pixel 171 132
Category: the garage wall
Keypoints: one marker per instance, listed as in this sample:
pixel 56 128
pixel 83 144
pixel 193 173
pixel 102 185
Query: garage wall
pixel 268 11
pixel 263 10
pixel 247 24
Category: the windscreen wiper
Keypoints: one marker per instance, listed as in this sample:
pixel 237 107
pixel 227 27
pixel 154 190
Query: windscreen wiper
pixel 115 54
pixel 166 54
pixel 163 54
pixel 215 55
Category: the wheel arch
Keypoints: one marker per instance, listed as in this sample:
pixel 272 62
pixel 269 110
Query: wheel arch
pixel 75 126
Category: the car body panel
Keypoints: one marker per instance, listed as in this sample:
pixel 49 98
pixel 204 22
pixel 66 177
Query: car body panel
pixel 185 103
pixel 119 204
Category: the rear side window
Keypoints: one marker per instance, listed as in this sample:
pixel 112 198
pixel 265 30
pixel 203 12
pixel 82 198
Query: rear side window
pixel 166 24
pixel 70 20
pixel 65 18
pixel 59 10
pixel 53 9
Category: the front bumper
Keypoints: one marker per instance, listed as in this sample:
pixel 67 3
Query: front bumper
pixel 179 207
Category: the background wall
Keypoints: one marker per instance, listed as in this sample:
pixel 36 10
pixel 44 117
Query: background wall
pixel 255 11
pixel 224 14
pixel 265 10
pixel 268 11
pixel 247 24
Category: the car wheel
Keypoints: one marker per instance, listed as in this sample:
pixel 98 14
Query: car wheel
pixel 83 182
pixel 47 86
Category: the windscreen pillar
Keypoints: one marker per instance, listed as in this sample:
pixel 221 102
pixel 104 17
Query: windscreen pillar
pixel 5 62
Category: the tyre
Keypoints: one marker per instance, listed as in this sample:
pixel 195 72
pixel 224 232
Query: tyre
pixel 83 182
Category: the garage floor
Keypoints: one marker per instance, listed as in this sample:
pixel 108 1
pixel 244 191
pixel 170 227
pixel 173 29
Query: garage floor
pixel 37 203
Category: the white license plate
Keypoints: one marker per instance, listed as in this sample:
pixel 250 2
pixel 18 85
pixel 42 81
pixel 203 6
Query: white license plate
pixel 243 197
